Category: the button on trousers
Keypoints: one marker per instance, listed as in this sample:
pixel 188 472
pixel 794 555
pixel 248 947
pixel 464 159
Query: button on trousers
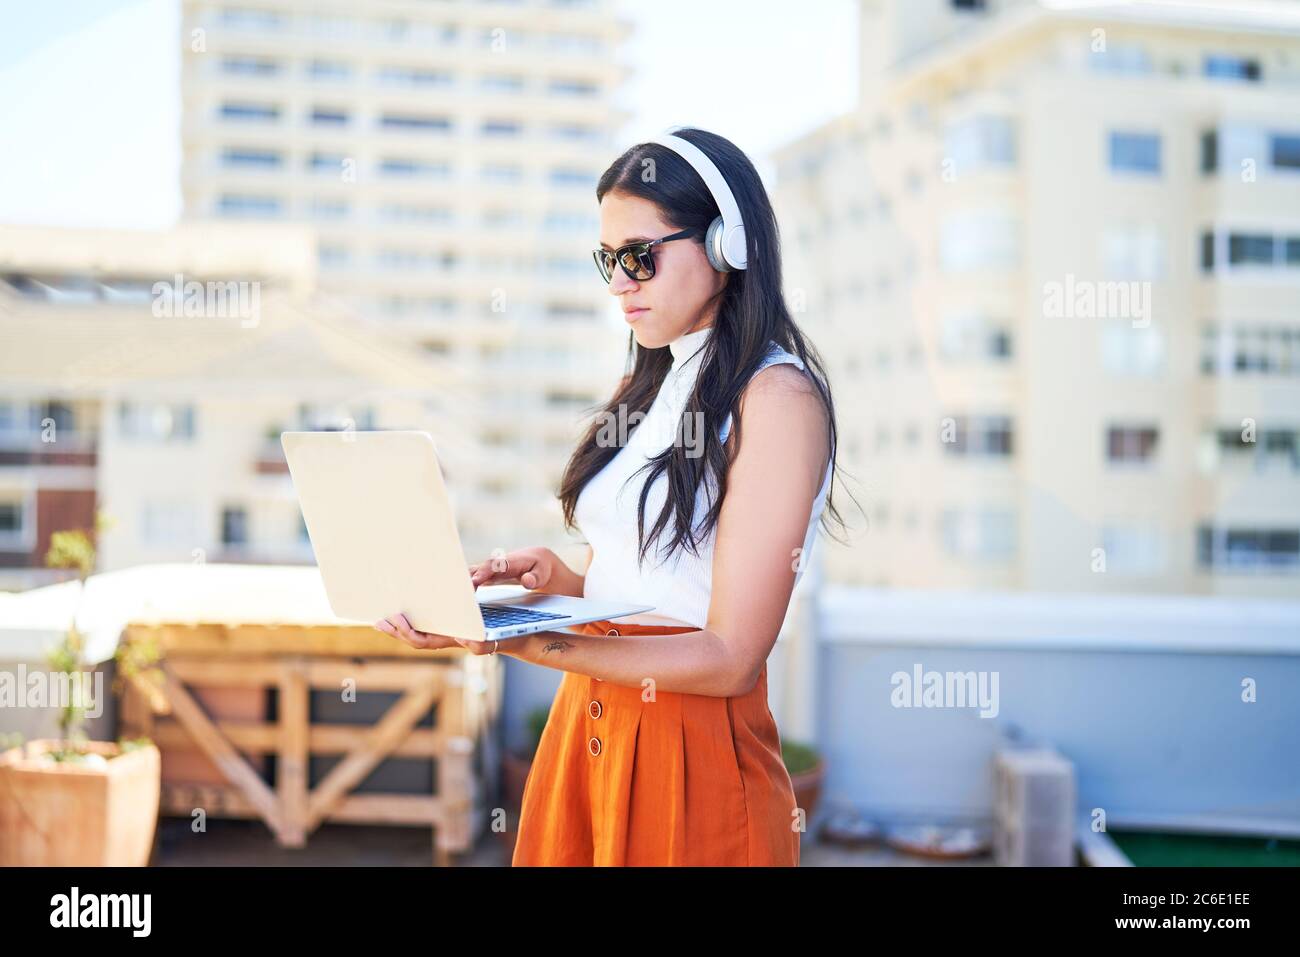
pixel 627 776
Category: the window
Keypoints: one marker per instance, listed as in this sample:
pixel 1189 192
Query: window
pixel 1133 252
pixel 980 141
pixel 987 534
pixel 502 83
pixel 501 128
pixel 234 526
pixel 1209 151
pixel 250 112
pixel 242 18
pixel 169 523
pixel 156 421
pixel 316 417
pixel 496 173
pixel 413 77
pixel 400 259
pixel 985 239
pixel 324 207
pixel 402 166
pixel 572 177
pixel 234 204
pixel 502 218
pixel 328 70
pixel 1119 57
pixel 1243 348
pixel 562 87
pixel 251 159
pixel 1248 549
pixel 329 116
pixel 12 527
pixel 406 213
pixel 415 122
pixel 1272 448
pixel 560 397
pixel 250 66
pixel 326 162
pixel 1127 444
pixel 1284 151
pixel 1253 249
pixel 333 256
pixel 965 336
pixel 1133 550
pixel 575 132
pixel 576 43
pixel 1250 251
pixel 978 436
pixel 563 221
pixel 1226 67
pixel 1132 351
pixel 1134 152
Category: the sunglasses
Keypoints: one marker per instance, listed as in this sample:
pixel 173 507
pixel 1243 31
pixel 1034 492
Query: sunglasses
pixel 635 258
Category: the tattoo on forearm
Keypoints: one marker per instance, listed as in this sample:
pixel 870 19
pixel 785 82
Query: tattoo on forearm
pixel 559 644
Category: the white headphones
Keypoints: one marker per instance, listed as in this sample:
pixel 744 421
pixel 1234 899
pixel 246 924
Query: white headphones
pixel 724 243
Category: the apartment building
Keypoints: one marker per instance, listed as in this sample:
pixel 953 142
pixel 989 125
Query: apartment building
pixel 446 155
pixel 1055 258
pixel 148 376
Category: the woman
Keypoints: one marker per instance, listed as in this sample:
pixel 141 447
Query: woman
pixel 660 748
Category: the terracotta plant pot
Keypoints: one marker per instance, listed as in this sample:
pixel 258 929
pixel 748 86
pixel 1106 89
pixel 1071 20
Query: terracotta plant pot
pixel 808 788
pixel 61 814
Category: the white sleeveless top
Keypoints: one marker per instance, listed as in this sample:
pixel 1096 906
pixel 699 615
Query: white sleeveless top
pixel 606 508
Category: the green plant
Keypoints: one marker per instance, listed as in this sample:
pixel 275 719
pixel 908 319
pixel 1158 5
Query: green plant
pixel 137 657
pixel 536 723
pixel 76 549
pixel 799 757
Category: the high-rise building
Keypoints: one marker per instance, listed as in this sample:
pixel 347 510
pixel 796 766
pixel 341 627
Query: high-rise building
pixel 1055 258
pixel 446 153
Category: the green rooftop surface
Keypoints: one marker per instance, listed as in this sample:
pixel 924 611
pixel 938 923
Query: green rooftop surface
pixel 1158 849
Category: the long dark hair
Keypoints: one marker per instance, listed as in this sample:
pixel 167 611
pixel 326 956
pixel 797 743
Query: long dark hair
pixel 751 315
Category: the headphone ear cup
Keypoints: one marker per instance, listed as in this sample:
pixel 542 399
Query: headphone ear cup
pixel 713 246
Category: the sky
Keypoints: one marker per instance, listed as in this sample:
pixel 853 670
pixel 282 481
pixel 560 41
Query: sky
pixel 90 93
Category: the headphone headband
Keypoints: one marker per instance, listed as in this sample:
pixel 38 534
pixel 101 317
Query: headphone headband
pixel 733 227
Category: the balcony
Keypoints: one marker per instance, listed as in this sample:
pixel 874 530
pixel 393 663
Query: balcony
pixel 29 448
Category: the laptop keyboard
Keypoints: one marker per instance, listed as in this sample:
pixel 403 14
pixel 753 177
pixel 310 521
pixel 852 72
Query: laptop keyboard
pixel 494 616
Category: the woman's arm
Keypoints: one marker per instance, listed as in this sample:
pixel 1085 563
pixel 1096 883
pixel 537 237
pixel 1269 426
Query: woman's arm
pixel 771 487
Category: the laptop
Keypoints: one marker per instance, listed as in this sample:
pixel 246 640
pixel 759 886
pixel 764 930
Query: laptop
pixel 382 529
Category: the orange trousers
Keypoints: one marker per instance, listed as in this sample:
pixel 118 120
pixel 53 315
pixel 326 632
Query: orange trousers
pixel 683 779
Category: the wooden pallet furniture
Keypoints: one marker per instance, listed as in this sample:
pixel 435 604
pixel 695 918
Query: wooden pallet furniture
pixel 295 660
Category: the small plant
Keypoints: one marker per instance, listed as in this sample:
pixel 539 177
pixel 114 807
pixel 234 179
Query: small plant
pixel 536 723
pixel 798 757
pixel 75 549
pixel 137 657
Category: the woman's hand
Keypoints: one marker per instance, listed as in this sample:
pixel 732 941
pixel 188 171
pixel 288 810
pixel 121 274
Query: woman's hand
pixel 399 626
pixel 534 568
